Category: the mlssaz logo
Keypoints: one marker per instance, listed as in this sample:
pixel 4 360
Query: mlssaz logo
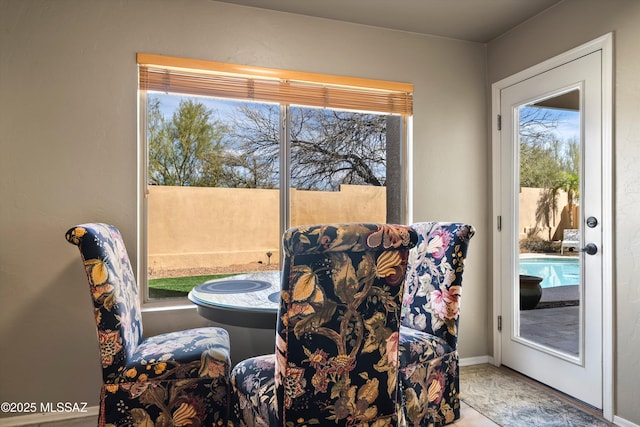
pixel 80 407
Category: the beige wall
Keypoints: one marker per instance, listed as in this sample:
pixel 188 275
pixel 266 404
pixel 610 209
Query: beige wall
pixel 68 154
pixel 565 26
pixel 195 227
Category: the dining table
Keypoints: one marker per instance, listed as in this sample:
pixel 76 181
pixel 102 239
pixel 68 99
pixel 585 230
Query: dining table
pixel 247 300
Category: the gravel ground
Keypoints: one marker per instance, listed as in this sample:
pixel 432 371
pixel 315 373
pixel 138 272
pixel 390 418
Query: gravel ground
pixel 157 273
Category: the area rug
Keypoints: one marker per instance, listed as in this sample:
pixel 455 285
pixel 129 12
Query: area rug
pixel 513 402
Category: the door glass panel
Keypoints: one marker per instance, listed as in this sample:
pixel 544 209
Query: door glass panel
pixel 549 285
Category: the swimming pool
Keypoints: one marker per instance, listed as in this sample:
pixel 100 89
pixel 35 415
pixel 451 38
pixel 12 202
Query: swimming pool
pixel 555 271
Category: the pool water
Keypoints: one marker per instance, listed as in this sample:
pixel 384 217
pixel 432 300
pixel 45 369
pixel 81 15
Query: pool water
pixel 554 271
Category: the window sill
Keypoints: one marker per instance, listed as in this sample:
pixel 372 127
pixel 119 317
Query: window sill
pixel 171 305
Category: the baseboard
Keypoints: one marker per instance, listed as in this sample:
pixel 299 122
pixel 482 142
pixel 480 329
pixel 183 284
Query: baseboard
pixel 623 423
pixel 90 412
pixel 478 360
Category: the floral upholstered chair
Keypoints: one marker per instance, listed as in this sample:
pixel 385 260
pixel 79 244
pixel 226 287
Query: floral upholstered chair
pixel 429 371
pixel 336 360
pixel 174 379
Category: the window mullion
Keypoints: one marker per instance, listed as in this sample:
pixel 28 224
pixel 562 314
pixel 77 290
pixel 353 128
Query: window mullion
pixel 285 167
pixel 143 197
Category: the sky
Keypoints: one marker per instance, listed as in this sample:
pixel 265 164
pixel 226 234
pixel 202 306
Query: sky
pixel 170 102
pixel 568 124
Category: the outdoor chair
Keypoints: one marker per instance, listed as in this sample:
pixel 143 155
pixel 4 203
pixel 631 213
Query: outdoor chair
pixel 570 239
pixel 336 360
pixel 429 371
pixel 178 378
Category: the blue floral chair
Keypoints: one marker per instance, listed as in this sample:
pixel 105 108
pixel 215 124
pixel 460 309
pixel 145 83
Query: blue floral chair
pixel 429 371
pixel 336 360
pixel 174 379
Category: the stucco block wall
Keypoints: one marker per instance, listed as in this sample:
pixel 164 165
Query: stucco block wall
pixel 199 227
pixel 558 220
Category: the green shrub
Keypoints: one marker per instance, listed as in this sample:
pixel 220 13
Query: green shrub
pixel 539 245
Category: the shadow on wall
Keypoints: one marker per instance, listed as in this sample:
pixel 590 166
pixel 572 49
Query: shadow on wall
pixel 541 221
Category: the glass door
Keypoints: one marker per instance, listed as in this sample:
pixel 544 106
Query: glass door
pixel 551 275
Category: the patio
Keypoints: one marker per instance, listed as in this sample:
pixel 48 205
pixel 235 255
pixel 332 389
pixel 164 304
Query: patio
pixel 555 321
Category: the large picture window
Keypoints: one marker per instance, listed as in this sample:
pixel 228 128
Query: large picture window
pixel 234 155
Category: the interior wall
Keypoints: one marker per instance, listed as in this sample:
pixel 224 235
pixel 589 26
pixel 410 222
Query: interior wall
pixel 68 141
pixel 565 26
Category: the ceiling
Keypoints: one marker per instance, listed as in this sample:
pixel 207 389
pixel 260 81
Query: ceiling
pixel 472 20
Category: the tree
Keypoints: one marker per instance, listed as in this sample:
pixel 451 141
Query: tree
pixel 537 124
pixel 252 160
pixel 540 153
pixel 186 150
pixel 569 179
pixel 539 164
pixel 328 147
pixel 548 163
pixel 337 147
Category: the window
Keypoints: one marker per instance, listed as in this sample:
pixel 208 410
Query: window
pixel 234 155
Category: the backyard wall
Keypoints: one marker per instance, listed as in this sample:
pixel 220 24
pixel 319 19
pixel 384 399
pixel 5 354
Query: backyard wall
pixel 198 227
pixel 201 227
pixel 530 201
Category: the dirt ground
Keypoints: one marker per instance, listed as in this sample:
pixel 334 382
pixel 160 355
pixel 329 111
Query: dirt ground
pixel 157 273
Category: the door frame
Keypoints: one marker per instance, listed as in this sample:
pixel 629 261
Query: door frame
pixel 605 45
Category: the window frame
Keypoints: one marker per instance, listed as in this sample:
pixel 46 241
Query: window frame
pixel 328 82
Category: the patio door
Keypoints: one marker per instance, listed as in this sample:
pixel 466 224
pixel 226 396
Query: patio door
pixel 551 181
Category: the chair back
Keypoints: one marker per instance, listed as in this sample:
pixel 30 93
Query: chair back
pixel 114 292
pixel 571 235
pixel 338 324
pixel 434 279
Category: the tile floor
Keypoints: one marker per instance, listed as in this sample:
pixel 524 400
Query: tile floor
pixel 469 417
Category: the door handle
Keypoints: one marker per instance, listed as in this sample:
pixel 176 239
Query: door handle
pixel 590 249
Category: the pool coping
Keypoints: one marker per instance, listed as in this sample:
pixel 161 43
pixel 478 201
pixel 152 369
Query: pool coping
pixel 560 296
